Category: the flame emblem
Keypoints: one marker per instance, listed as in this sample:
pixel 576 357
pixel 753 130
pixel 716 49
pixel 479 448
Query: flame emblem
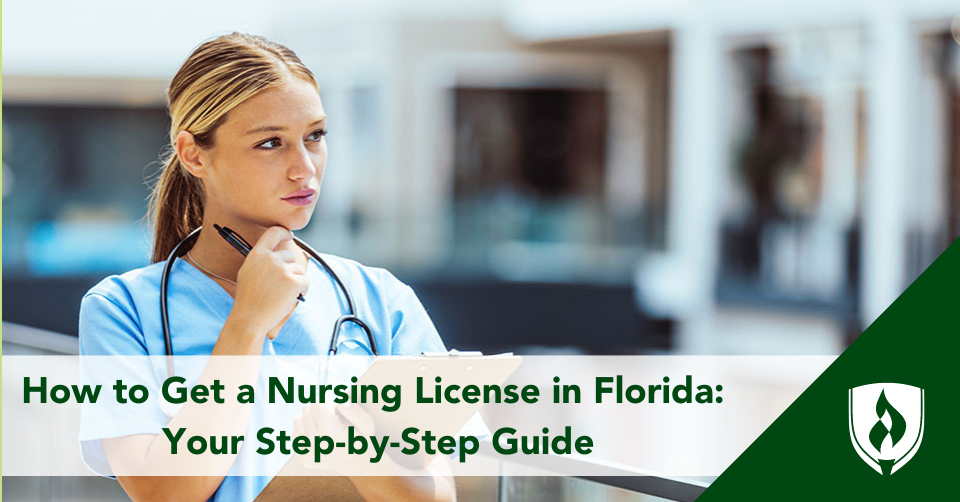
pixel 879 431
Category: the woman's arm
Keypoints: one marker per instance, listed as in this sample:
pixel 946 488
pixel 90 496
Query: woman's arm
pixel 139 460
pixel 272 275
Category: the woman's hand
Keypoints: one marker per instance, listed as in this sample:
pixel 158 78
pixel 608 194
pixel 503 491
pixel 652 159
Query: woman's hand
pixel 271 277
pixel 326 419
pixel 431 483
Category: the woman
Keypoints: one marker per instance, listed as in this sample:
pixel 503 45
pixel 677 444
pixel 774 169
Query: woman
pixel 248 153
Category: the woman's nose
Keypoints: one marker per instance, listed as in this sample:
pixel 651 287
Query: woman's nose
pixel 303 164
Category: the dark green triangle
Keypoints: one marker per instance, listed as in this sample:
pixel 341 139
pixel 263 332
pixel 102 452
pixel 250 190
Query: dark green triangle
pixel 806 454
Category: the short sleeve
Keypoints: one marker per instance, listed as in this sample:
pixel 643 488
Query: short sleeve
pixel 413 331
pixel 108 329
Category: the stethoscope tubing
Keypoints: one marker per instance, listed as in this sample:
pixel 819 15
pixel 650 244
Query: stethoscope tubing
pixel 181 248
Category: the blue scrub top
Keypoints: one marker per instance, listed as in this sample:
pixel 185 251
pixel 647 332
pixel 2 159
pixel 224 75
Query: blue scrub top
pixel 121 316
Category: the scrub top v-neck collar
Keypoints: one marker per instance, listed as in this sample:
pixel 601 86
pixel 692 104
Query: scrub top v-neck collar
pixel 222 293
pixel 292 330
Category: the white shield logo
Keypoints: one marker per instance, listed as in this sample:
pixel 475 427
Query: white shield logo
pixel 886 424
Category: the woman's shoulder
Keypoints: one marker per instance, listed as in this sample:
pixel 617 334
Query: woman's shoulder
pixel 121 288
pixel 390 306
pixel 357 274
pixel 111 312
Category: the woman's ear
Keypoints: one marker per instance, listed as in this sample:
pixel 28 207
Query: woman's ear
pixel 189 154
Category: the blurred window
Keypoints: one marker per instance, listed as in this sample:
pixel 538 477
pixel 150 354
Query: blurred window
pixel 529 171
pixel 790 229
pixel 75 187
pixel 935 222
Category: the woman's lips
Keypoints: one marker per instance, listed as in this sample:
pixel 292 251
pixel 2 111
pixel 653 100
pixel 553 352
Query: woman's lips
pixel 301 197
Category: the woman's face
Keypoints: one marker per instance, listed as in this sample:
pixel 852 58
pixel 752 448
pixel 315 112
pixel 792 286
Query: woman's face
pixel 268 158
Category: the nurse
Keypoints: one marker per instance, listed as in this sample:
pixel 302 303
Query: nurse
pixel 247 152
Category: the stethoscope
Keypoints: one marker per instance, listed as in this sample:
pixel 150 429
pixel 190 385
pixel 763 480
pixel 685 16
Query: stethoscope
pixel 182 248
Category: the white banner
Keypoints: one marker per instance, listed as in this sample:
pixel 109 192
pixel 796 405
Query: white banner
pixel 665 415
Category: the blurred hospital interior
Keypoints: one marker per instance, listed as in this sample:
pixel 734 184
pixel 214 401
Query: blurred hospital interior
pixel 649 177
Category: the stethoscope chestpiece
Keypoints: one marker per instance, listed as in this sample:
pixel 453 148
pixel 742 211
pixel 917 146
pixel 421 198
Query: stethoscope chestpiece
pixel 334 338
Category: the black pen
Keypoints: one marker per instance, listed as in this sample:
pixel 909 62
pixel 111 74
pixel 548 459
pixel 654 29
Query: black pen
pixel 240 244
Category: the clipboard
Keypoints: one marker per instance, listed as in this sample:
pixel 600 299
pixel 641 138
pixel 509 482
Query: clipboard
pixel 297 482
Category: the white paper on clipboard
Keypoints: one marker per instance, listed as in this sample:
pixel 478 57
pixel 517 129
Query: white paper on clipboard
pixel 442 419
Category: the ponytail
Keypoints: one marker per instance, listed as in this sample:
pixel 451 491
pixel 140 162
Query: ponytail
pixel 176 207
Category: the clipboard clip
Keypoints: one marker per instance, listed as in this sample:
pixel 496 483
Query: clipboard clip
pixel 452 352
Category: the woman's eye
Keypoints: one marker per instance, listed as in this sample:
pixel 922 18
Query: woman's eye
pixel 274 143
pixel 317 135
pixel 269 144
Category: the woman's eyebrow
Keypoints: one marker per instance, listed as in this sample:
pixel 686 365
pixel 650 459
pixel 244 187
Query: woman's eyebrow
pixel 281 128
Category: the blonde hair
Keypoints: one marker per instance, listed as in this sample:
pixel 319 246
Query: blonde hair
pixel 219 75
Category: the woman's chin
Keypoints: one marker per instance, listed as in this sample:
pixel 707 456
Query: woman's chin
pixel 293 222
pixel 297 223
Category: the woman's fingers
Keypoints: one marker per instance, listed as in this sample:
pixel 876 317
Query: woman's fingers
pixel 322 419
pixel 271 238
pixel 309 420
pixel 270 279
pixel 298 427
pixel 272 334
pixel 358 417
pixel 296 257
pixel 287 255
